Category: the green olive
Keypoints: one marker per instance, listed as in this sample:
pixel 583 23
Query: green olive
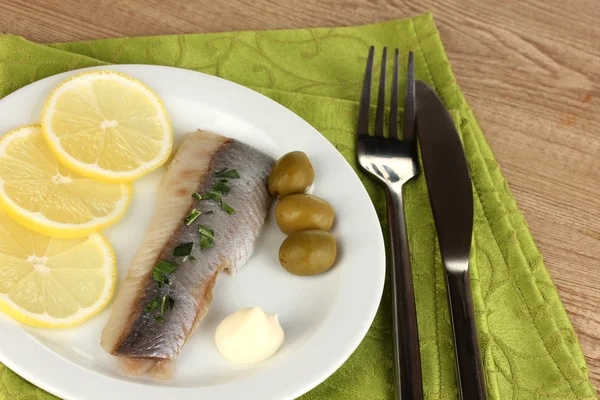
pixel 307 253
pixel 292 173
pixel 297 212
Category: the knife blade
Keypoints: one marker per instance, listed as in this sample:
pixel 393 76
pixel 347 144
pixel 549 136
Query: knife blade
pixel 451 197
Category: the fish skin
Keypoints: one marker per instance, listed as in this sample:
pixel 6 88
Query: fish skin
pixel 133 333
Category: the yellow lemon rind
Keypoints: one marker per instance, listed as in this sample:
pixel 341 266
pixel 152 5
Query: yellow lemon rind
pixel 93 171
pixel 54 229
pixel 33 320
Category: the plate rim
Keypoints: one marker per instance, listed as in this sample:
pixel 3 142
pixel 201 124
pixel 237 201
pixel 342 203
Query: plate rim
pixel 52 382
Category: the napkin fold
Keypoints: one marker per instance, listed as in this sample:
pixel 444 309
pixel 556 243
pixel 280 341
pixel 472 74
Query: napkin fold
pixel 528 345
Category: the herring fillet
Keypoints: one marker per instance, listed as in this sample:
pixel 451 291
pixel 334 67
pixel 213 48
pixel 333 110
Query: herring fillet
pixel 131 333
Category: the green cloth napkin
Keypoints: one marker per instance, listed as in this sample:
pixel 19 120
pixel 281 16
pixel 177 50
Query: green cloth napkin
pixel 529 348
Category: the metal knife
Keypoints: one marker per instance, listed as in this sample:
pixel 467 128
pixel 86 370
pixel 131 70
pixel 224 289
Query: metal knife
pixel 451 198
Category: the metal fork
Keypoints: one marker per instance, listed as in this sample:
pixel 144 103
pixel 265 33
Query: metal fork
pixel 393 162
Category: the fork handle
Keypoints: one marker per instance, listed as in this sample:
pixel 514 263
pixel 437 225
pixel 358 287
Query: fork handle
pixel 407 358
pixel 471 383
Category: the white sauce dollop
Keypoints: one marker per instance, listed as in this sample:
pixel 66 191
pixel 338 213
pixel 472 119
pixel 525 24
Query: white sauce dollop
pixel 249 336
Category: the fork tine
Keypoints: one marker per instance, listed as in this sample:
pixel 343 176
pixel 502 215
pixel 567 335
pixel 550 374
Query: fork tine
pixel 409 101
pixel 365 97
pixel 394 100
pixel 381 97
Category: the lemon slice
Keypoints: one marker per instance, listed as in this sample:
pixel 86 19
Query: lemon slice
pixel 108 126
pixel 45 197
pixel 53 283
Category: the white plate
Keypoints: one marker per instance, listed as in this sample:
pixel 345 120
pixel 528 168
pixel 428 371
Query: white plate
pixel 324 317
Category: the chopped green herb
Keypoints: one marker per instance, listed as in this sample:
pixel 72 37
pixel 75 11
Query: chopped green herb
pixel 206 231
pixel 167 301
pixel 183 250
pixel 223 180
pixel 165 267
pixel 162 305
pixel 197 196
pixel 225 173
pixel 152 305
pixel 206 242
pixel 221 187
pixel 227 208
pixel 161 279
pixel 192 216
pixel 159 319
pixel 162 270
pixel 212 195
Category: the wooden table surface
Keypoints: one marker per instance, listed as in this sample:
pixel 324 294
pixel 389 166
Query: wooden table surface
pixel 529 68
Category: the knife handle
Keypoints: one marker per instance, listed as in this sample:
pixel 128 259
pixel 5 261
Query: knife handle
pixel 471 383
pixel 407 358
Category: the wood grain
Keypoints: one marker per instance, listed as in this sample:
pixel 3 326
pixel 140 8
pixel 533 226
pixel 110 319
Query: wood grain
pixel 529 68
